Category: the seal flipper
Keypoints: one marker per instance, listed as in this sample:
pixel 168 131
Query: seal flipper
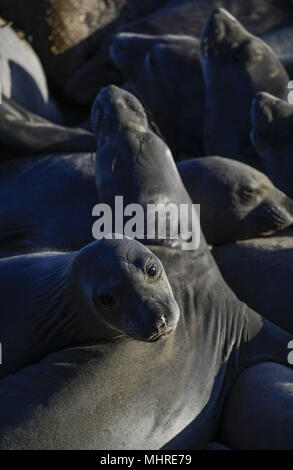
pixel 23 134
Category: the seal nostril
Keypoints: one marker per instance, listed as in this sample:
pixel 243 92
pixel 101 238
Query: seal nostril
pixel 161 325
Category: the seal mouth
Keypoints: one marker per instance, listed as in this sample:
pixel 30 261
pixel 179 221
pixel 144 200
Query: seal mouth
pixel 161 335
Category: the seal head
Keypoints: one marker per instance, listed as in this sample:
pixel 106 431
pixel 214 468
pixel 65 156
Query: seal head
pixel 126 287
pixel 236 65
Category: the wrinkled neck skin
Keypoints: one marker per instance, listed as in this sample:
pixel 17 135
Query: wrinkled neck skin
pixel 220 334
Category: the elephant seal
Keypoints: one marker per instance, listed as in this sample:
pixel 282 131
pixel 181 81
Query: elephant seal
pixel 259 272
pixel 155 66
pixel 109 289
pixel 78 47
pixel 68 34
pixel 176 18
pixel 236 65
pixel 23 134
pixel 22 77
pixel 272 137
pixel 236 201
pixel 271 398
pixel 124 386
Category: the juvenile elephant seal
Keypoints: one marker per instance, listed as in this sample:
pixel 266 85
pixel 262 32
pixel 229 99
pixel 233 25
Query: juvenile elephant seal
pixel 237 201
pixel 260 272
pixel 156 65
pixel 111 288
pixel 124 386
pixel 272 136
pixel 236 65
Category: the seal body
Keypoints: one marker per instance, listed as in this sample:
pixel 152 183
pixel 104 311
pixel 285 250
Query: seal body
pixel 22 76
pixel 47 202
pixel 123 389
pixel 155 66
pixel 236 65
pixel 259 272
pixel 271 135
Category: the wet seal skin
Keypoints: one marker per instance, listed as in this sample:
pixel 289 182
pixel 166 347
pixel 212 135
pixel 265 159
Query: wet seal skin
pixel 272 136
pixel 236 65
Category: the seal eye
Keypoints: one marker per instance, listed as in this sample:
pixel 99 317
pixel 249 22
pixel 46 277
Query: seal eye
pixel 247 194
pixel 152 270
pixel 106 300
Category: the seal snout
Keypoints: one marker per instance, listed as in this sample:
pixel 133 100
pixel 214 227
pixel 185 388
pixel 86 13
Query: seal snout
pixel 159 320
pixel 114 108
pixel 221 28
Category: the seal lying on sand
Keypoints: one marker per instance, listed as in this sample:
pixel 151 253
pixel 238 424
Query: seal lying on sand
pixel 123 388
pixel 236 65
pixel 272 136
pixel 109 289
